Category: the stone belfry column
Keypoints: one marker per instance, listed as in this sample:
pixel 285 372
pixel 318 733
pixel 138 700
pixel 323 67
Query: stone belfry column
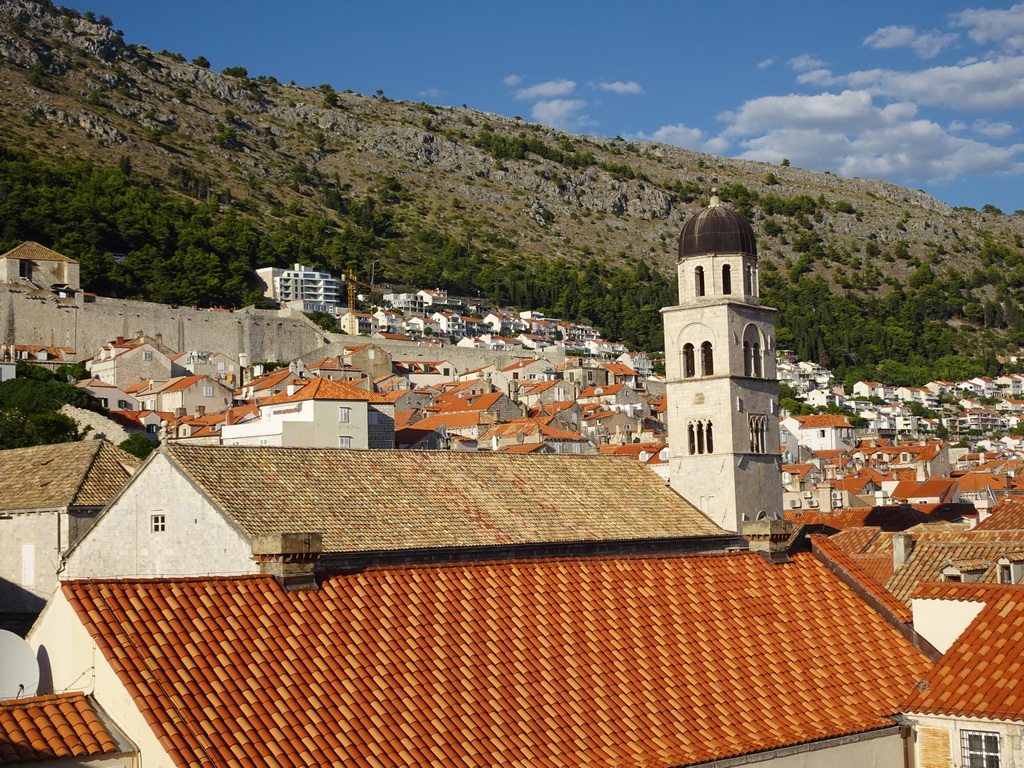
pixel 723 423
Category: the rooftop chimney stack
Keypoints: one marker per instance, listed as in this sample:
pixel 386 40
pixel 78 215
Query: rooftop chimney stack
pixel 770 539
pixel 290 558
pixel 902 547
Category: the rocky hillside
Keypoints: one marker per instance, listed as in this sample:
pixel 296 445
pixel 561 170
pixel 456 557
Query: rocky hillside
pixel 72 87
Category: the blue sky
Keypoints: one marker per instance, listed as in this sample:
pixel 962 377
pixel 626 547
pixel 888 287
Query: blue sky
pixel 927 95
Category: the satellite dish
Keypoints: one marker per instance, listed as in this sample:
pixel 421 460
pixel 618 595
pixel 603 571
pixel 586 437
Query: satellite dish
pixel 71 379
pixel 19 670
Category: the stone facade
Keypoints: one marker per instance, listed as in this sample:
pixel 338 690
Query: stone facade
pixel 251 334
pixel 128 539
pixel 720 379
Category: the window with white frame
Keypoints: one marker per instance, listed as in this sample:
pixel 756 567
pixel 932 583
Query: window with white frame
pixel 147 355
pixel 344 415
pixel 158 523
pixel 208 391
pixel 344 441
pixel 979 749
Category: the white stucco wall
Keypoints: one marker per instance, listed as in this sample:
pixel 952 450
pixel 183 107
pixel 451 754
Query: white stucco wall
pixel 941 622
pixel 196 541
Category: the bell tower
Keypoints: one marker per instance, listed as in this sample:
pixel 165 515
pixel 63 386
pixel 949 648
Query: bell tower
pixel 720 375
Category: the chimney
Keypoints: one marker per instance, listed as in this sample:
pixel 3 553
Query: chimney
pixel 293 388
pixel 200 411
pixel 922 471
pixel 179 413
pixel 770 539
pixel 290 558
pixel 902 547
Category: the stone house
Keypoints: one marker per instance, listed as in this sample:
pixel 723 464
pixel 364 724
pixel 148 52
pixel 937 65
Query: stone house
pixel 616 397
pixel 37 265
pixel 127 362
pixel 182 394
pixel 49 496
pixel 194 510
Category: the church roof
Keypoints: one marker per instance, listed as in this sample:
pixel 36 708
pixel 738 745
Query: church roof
pixel 717 229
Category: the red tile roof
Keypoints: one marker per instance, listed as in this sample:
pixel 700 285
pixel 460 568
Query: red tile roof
pixel 1008 515
pixel 821 420
pixel 83 474
pixel 651 661
pixel 325 389
pixel 49 727
pixel 981 674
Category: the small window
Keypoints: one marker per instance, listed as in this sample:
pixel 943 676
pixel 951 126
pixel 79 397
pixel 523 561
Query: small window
pixel 147 355
pixel 123 405
pixel 953 577
pixel 344 441
pixel 25 269
pixel 207 391
pixel 698 279
pixel 157 523
pixel 1005 574
pixel 152 428
pixel 103 402
pixel 980 749
pixel 726 279
pixel 371 417
pixel 344 415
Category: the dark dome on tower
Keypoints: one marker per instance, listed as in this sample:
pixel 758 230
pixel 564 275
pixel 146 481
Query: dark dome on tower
pixel 717 229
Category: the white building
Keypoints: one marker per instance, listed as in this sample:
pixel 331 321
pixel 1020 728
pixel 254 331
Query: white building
pixel 318 291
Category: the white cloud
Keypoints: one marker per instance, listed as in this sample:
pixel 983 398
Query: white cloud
pixel 430 93
pixel 765 63
pixel 620 87
pixel 984 85
pixel 805 62
pixel 849 134
pixel 998 130
pixel 546 90
pixel 565 114
pixel 927 45
pixel 985 25
pixel 681 135
pixel 512 81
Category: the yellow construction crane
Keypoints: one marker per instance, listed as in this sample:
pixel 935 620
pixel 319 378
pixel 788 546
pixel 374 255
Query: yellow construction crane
pixel 350 278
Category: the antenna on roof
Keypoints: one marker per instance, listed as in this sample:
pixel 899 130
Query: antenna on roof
pixel 19 670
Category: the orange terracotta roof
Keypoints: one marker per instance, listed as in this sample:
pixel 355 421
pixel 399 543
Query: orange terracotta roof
pixel 525 448
pixel 821 420
pixel 457 420
pixel 325 389
pixel 854 541
pixel 50 727
pixel 1007 515
pixel 980 675
pixel 643 661
pixel 601 391
pixel 897 518
pixel 855 571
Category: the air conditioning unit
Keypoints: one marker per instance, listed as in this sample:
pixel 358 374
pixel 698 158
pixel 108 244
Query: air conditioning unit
pixel 837 498
pixel 808 495
pixel 794 503
pixel 813 503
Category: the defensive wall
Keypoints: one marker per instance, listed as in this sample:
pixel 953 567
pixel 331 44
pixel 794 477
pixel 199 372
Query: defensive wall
pixel 36 318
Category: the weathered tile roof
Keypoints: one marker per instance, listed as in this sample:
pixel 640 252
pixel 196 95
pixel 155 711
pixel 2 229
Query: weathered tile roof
pixel 35 252
pixel 1008 515
pixel 852 566
pixel 49 727
pixel 369 500
pixel 83 474
pixel 981 674
pixel 651 661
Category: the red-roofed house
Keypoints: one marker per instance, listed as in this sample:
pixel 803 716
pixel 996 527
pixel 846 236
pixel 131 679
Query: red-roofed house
pixel 820 432
pixel 318 413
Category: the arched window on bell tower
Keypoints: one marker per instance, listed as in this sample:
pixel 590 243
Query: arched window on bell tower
pixel 698 280
pixel 753 360
pixel 689 362
pixel 749 274
pixel 726 279
pixel 707 360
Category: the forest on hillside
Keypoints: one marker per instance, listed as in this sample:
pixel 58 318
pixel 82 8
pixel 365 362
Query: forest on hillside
pixel 185 242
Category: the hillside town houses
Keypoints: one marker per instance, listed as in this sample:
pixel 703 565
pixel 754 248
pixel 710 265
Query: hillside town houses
pixel 479 538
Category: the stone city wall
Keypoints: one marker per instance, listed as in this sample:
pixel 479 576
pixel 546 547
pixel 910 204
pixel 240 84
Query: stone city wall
pixel 33 319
